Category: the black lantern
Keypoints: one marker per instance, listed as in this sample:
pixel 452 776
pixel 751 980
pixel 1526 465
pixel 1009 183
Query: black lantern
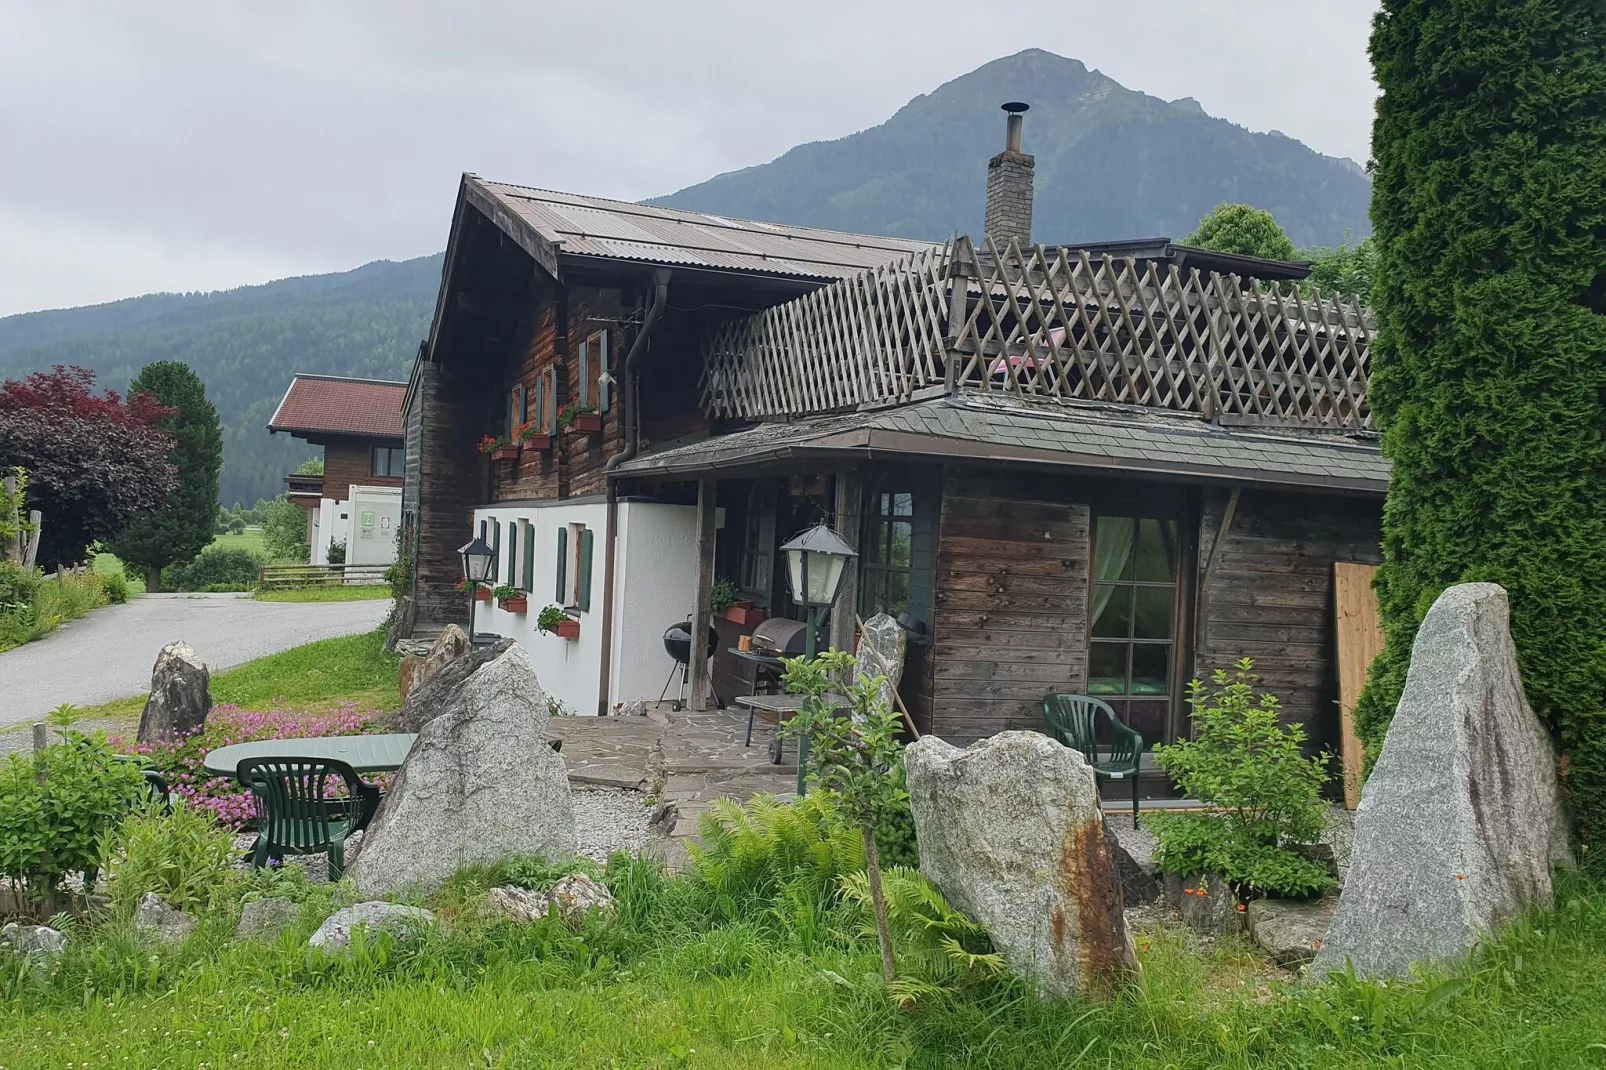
pixel 816 562
pixel 478 560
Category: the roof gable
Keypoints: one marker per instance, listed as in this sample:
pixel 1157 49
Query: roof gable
pixel 336 405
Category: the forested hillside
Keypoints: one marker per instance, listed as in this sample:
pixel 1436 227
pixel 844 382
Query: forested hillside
pixel 1111 163
pixel 245 345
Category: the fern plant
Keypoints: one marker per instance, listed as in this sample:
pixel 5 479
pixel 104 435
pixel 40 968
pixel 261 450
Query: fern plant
pixel 940 950
pixel 751 852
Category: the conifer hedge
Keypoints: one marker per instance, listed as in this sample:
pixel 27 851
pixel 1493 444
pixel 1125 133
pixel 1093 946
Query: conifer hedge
pixel 1489 374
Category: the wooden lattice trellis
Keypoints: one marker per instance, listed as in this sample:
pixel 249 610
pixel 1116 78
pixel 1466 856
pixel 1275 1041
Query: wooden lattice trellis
pixel 1055 324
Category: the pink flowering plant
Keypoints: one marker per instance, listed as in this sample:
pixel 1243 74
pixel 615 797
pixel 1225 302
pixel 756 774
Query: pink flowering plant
pixel 182 761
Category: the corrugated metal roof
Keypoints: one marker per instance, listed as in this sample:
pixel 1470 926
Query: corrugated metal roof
pixel 620 230
pixel 336 405
pixel 1159 445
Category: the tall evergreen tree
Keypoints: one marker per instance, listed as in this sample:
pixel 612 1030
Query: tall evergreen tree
pixel 182 526
pixel 1489 374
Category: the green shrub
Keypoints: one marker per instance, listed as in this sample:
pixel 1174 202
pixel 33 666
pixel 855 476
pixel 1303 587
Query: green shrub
pixel 52 826
pixel 217 568
pixel 33 604
pixel 182 856
pixel 1265 794
pixel 284 529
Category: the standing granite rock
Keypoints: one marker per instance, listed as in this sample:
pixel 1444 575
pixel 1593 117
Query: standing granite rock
pixel 181 695
pixel 881 650
pixel 439 688
pixel 480 784
pixel 1461 817
pixel 1011 832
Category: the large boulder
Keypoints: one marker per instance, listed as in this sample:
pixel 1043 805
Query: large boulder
pixel 882 645
pixel 1461 818
pixel 1011 832
pixel 480 784
pixel 180 698
pixel 437 689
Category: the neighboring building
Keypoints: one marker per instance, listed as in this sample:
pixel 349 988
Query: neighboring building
pixel 1102 469
pixel 357 500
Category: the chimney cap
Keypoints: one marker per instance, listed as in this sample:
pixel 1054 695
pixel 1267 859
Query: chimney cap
pixel 1015 107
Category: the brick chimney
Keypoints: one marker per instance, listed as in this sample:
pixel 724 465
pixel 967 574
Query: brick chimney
pixel 1009 186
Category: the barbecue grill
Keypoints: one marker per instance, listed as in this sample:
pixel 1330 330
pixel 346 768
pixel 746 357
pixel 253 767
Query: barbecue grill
pixel 677 642
pixel 780 638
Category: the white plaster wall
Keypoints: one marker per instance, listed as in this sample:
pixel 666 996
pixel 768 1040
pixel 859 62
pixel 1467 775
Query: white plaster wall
pixel 372 544
pixel 654 586
pixel 570 670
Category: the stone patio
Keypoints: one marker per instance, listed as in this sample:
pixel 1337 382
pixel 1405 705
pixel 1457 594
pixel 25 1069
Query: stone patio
pixel 685 758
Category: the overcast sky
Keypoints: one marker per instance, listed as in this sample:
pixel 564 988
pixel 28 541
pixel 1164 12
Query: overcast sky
pixel 203 144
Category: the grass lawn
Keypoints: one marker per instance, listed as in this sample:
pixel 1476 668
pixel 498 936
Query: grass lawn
pixel 249 539
pixel 314 677
pixel 112 565
pixel 343 593
pixel 779 989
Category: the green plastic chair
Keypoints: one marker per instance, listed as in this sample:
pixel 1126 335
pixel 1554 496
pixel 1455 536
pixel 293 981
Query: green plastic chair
pixel 1074 720
pixel 297 813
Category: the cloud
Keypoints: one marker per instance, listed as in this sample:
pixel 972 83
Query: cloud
pixel 186 144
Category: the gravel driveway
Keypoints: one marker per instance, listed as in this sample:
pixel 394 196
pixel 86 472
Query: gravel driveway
pixel 109 654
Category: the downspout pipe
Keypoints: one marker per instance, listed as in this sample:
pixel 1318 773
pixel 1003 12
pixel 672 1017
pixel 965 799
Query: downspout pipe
pixel 627 413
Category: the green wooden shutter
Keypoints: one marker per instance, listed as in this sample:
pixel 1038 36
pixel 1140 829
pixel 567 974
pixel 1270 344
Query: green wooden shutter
pixel 512 551
pixel 524 403
pixel 496 547
pixel 585 569
pixel 604 360
pixel 584 391
pixel 528 586
pixel 563 561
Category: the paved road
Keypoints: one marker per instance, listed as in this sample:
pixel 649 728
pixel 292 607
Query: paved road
pixel 109 654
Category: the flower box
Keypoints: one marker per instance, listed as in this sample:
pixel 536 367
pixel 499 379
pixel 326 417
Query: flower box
pixel 538 443
pixel 584 423
pixel 482 594
pixel 514 605
pixel 744 614
pixel 505 453
pixel 567 629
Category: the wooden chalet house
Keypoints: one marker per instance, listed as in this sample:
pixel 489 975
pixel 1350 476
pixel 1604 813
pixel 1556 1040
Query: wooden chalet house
pixel 1101 469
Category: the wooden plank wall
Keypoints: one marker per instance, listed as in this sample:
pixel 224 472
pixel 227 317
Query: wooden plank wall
pixel 350 460
pixel 1010 605
pixel 1272 597
pixel 1360 639
pixel 451 482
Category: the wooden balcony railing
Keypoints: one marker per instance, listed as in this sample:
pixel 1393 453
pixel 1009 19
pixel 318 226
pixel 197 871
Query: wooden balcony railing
pixel 1054 324
pixel 303 486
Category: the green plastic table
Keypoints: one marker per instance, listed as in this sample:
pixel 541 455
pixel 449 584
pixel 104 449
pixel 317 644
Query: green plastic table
pixel 365 754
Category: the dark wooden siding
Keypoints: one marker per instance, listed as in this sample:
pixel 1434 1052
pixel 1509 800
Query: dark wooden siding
pixel 455 411
pixel 1010 605
pixel 350 461
pixel 1271 598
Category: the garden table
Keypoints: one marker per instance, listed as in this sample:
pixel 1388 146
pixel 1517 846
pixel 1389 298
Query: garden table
pixel 365 754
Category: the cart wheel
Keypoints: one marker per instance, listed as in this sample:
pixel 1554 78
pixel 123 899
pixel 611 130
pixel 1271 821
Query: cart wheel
pixel 777 750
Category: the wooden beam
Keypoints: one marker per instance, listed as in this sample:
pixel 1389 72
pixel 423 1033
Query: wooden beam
pixel 701 614
pixel 1360 639
pixel 849 521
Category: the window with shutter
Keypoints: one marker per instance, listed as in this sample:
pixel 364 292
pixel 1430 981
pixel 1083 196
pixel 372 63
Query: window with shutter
pixel 604 380
pixel 512 553
pixel 562 596
pixel 584 378
pixel 583 594
pixel 527 536
pixel 496 547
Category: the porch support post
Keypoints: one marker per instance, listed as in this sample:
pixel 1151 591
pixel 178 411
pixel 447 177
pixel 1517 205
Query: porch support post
pixel 849 522
pixel 705 587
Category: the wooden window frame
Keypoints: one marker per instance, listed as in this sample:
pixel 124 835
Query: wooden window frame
pixel 873 574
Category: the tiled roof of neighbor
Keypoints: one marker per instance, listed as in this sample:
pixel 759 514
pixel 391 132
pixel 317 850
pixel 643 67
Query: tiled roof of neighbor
pixel 335 405
pixel 1012 432
pixel 618 230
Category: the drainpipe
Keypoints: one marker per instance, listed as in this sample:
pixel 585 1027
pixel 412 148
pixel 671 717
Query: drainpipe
pixel 627 413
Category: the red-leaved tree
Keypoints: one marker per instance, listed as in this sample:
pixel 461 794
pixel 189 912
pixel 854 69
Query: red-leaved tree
pixel 95 461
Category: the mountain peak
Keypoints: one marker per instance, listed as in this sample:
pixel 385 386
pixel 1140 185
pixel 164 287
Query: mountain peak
pixel 1112 162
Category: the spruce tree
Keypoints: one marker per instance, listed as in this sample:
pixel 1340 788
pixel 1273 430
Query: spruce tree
pixel 1489 373
pixel 182 526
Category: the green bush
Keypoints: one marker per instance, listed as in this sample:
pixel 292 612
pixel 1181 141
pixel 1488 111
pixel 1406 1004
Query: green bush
pixel 33 604
pixel 1264 793
pixel 182 856
pixel 52 826
pixel 217 568
pixel 284 529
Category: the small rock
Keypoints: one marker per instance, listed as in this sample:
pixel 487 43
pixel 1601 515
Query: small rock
pixel 516 904
pixel 663 818
pixel 169 925
pixel 577 895
pixel 36 943
pixel 372 917
pixel 635 708
pixel 1206 902
pixel 1138 884
pixel 266 918
pixel 180 697
pixel 1289 930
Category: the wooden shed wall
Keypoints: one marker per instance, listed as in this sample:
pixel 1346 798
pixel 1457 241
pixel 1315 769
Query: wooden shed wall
pixel 1272 595
pixel 1010 608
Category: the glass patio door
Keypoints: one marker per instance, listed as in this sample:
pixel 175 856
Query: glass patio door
pixel 1133 612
